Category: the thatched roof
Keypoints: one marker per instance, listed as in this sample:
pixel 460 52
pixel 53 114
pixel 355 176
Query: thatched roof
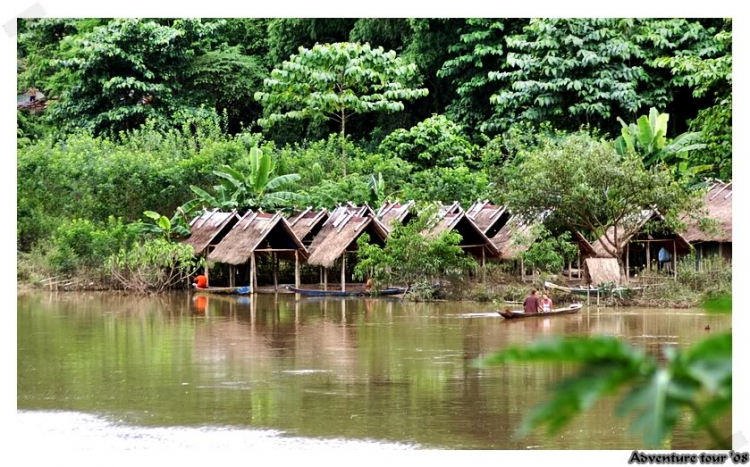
pixel 351 208
pixel 304 222
pixel 340 231
pixel 488 217
pixel 636 222
pixel 209 228
pixel 515 237
pixel 394 213
pixel 252 231
pixel 719 205
pixel 602 271
pixel 451 219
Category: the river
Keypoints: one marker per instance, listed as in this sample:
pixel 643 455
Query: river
pixel 111 370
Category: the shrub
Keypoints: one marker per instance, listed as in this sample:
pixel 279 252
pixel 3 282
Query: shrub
pixel 153 266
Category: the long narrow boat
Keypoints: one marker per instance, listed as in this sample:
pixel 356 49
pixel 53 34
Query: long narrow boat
pixel 572 309
pixel 585 291
pixel 225 290
pixel 348 293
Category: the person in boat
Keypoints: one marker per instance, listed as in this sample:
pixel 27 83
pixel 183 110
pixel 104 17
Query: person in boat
pixel 546 304
pixel 531 305
pixel 368 284
pixel 201 282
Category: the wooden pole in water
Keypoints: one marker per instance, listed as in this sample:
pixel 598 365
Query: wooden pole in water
pixel 588 296
pixel 296 268
pixel 325 278
pixel 674 258
pixel 523 273
pixel 343 272
pixel 252 272
pixel 648 255
pixel 231 275
pixel 275 260
pixel 579 265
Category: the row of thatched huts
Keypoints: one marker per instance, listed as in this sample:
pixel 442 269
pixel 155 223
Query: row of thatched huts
pixel 321 238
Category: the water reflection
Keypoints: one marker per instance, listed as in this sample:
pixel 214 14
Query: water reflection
pixel 341 368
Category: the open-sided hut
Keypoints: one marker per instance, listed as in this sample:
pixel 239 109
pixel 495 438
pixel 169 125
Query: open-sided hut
pixel 642 242
pixel 514 239
pixel 600 271
pixel 718 241
pixel 259 234
pixel 208 229
pixel 393 213
pixel 339 235
pixel 488 217
pixel 306 224
pixel 473 240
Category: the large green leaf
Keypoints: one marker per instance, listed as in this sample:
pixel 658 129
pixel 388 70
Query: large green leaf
pixel 152 215
pixel 204 196
pixel 282 180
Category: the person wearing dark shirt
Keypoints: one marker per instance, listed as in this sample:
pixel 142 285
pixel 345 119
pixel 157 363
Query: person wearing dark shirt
pixel 531 304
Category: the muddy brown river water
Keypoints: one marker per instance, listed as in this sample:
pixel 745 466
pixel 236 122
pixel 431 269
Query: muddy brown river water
pixel 109 370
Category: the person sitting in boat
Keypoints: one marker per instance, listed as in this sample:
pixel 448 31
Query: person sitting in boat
pixel 531 305
pixel 546 303
pixel 201 282
pixel 368 284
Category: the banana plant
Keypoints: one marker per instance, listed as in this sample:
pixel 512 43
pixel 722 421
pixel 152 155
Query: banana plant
pixel 378 190
pixel 256 189
pixel 177 226
pixel 648 139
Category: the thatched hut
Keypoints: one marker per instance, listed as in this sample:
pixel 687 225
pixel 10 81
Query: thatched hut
pixel 716 242
pixel 473 240
pixel 339 235
pixel 598 271
pixel 208 229
pixel 259 233
pixel 644 241
pixel 306 224
pixel 394 213
pixel 488 217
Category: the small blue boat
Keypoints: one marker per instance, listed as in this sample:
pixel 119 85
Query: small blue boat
pixel 348 293
pixel 226 290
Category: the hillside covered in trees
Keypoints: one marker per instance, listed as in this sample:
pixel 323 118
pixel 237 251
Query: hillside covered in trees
pixel 148 114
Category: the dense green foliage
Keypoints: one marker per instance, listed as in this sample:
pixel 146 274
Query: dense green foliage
pixel 146 115
pixel 584 184
pixel 697 380
pixel 410 257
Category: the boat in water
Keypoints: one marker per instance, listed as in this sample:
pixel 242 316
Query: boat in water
pixel 570 310
pixel 225 290
pixel 347 293
pixel 591 290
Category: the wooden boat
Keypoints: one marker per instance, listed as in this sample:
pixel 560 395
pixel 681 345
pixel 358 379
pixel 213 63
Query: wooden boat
pixel 572 309
pixel 225 290
pixel 348 293
pixel 585 291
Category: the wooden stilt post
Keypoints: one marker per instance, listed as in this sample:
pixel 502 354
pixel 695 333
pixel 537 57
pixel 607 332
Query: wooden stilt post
pixel 648 255
pixel 674 258
pixel 588 296
pixel 570 270
pixel 205 268
pixel 627 263
pixel 579 265
pixel 523 273
pixel 325 278
pixel 484 269
pixel 343 272
pixel 296 268
pixel 275 260
pixel 231 275
pixel 252 272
